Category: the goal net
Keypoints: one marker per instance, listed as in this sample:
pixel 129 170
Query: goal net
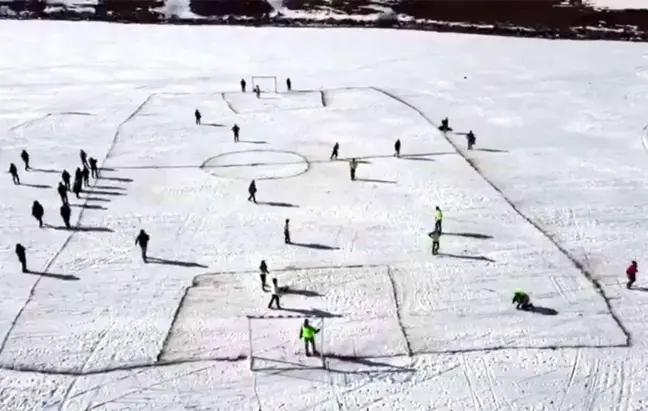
pixel 274 343
pixel 267 84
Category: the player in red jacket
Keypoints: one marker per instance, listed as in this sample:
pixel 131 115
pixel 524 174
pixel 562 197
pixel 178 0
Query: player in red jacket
pixel 631 272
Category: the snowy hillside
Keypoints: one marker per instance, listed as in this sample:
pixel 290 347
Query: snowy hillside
pixel 619 4
pixel 554 19
pixel 552 200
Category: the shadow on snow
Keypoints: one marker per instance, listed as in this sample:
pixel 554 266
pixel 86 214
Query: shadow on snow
pixel 45 170
pixel 312 312
pixel 471 235
pixel 372 180
pixel 52 275
pixel 253 141
pixel 89 206
pixel 276 204
pixel 108 187
pixel 304 293
pixel 120 179
pixel 155 260
pixel 84 229
pixel 315 246
pixel 36 185
pixel 543 310
pixel 103 200
pixel 103 193
pixel 468 257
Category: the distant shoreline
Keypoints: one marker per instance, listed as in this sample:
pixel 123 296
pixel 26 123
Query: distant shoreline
pixel 532 18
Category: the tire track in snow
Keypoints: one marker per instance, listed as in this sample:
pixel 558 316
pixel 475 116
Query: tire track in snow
pixel 408 344
pixel 570 381
pixel 490 376
pixel 229 105
pixel 580 266
pixel 67 241
pixel 465 368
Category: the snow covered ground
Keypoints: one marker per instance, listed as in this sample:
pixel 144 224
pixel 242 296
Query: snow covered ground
pixel 551 201
pixel 619 4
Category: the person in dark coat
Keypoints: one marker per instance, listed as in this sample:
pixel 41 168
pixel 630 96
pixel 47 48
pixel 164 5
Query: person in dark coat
pixel 263 268
pixel 252 190
pixel 287 231
pixel 257 91
pixel 94 170
pixel 62 193
pixel 631 273
pixel 522 301
pixel 78 174
pixel 276 293
pixel 198 116
pixel 65 215
pixel 471 139
pixel 445 126
pixel 25 158
pixel 84 158
pixel 86 176
pixel 236 129
pixel 38 212
pixel 22 257
pixel 335 152
pixel 353 166
pixel 142 240
pixel 76 188
pixel 66 179
pixel 397 147
pixel 13 170
pixel 243 84
pixel 288 84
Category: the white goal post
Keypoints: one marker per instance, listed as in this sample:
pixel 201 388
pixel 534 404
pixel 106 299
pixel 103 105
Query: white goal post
pixel 274 339
pixel 265 83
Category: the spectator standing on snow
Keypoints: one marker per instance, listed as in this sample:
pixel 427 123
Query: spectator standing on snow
pixel 438 220
pixel 631 273
pixel 86 176
pixel 62 193
pixel 335 152
pixel 252 190
pixel 353 165
pixel 66 179
pixel 84 158
pixel 436 241
pixel 397 147
pixel 24 155
pixel 471 139
pixel 257 91
pixel 276 293
pixel 65 215
pixel 38 212
pixel 142 240
pixel 288 84
pixel 287 231
pixel 198 116
pixel 263 268
pixel 13 170
pixel 445 127
pixel 243 84
pixel 236 130
pixel 94 170
pixel 77 187
pixel 22 256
